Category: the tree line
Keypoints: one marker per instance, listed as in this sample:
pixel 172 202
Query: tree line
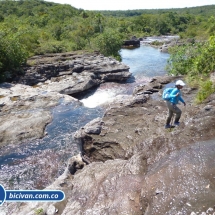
pixel 207 10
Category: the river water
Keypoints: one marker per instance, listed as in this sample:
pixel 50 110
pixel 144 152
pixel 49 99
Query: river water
pixel 145 62
pixel 35 164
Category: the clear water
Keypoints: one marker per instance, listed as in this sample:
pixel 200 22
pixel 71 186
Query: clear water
pixel 145 62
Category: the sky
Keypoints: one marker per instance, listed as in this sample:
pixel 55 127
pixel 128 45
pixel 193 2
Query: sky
pixel 132 4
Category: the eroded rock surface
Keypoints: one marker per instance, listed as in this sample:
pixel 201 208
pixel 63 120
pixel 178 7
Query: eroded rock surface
pixel 137 166
pixel 71 73
pixel 181 182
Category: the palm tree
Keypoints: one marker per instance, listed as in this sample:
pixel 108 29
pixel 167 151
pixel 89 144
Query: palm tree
pixel 99 18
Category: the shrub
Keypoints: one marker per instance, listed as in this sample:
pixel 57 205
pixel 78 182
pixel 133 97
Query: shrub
pixel 51 47
pixel 109 43
pixel 206 89
pixel 157 43
pixel 12 56
pixel 39 211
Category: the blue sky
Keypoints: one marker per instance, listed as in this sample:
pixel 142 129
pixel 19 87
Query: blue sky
pixel 133 4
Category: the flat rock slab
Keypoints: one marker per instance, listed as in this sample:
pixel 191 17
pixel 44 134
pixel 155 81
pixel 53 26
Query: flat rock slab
pixel 25 111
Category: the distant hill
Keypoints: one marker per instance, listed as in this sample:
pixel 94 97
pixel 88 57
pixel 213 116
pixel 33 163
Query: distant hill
pixel 34 7
pixel 207 10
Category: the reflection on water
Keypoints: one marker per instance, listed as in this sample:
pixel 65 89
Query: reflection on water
pixel 145 61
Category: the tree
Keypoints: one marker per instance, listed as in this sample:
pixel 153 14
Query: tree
pixel 109 43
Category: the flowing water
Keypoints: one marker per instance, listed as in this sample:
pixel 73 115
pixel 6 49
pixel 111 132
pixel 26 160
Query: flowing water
pixel 35 164
pixel 145 62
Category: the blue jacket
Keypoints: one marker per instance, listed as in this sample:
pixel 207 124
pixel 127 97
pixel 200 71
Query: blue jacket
pixel 175 99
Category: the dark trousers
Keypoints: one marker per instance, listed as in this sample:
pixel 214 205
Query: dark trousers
pixel 173 109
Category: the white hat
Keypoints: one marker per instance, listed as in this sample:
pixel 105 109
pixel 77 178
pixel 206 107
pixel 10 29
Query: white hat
pixel 180 82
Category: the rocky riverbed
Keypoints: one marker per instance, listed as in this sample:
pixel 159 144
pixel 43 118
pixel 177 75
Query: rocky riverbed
pixel 130 164
pixel 26 103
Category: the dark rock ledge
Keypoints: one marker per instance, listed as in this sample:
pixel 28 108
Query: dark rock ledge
pixel 136 166
pixel 71 73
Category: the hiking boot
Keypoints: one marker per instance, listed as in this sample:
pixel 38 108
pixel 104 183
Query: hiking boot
pixel 167 126
pixel 177 123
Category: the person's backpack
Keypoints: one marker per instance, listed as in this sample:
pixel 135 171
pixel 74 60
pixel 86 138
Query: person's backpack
pixel 166 93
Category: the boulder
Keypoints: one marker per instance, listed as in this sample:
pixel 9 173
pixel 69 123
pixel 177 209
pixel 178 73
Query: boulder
pixel 131 43
pixel 154 86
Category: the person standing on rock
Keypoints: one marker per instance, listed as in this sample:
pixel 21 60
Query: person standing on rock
pixel 174 98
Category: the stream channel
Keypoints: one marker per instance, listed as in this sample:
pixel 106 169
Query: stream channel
pixel 35 164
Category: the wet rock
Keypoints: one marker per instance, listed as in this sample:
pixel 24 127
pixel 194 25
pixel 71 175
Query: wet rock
pixel 138 167
pixel 93 127
pixel 175 183
pixel 82 196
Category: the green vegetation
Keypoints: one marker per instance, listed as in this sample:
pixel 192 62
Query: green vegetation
pixel 197 62
pixel 36 27
pixel 39 211
pixel 206 88
pixel 109 43
pixel 12 55
pixel 156 43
